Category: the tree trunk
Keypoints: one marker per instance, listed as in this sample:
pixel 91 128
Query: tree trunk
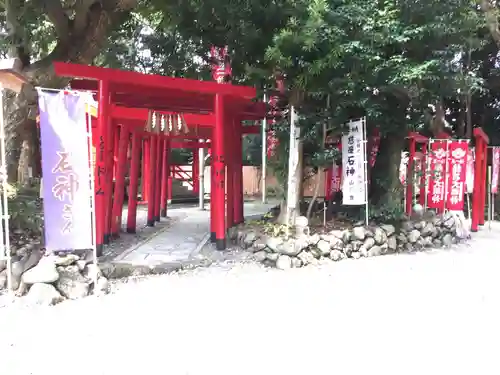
pixel 386 188
pixel 79 41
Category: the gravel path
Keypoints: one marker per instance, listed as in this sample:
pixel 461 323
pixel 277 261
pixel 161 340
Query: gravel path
pixel 428 313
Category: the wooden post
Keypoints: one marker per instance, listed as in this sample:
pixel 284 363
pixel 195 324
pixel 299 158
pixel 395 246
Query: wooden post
pixel 238 175
pixel 230 164
pixel 478 181
pixel 484 182
pixel 121 169
pixel 423 173
pixel 213 197
pixel 104 111
pixel 134 182
pixel 195 171
pixel 116 149
pixel 100 163
pixel 409 177
pixel 145 169
pixel 165 174
pixel 153 139
pixel 219 165
pixel 159 163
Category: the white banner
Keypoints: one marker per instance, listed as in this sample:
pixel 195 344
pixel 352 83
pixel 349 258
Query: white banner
pixel 469 176
pixel 353 165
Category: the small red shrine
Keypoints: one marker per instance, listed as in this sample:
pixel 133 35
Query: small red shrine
pixel 145 116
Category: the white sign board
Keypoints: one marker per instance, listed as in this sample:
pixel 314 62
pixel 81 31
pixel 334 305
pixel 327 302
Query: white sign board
pixel 353 165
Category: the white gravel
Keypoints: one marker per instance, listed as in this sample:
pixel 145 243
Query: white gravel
pixel 428 313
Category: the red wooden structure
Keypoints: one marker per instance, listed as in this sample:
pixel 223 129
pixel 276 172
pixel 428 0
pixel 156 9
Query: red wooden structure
pixel 205 110
pixel 415 138
pixel 480 167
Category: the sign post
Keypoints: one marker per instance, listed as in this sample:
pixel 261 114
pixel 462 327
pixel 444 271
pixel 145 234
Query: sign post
pixel 354 166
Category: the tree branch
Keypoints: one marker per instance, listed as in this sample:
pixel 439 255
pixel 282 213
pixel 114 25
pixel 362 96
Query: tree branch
pixel 82 8
pixel 58 17
pixel 491 18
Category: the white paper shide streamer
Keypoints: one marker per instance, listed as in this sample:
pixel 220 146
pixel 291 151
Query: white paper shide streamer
pixel 353 163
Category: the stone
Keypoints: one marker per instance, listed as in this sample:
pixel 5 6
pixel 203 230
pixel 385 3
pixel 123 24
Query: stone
pixel 324 247
pixel 346 236
pixel 369 243
pixel 337 233
pixel 336 243
pixel 313 239
pixel 71 283
pixel 292 247
pixel 249 239
pixel 17 272
pixel 408 247
pixel 90 271
pixel 102 286
pixel 437 242
pixel 447 240
pixel 43 294
pixel 380 236
pixel 259 244
pixel 407 226
pixel 260 256
pixel 413 236
pixel 427 241
pixel 272 256
pixel 348 250
pixel 375 251
pixel 315 252
pixel 363 251
pixel 427 230
pixel 3 279
pixel 306 258
pixel 356 255
pixel 392 243
pixel 274 243
pixel 44 272
pixel 335 255
pixel 81 264
pixel 359 233
pixel 388 229
pixel 284 262
pixel 402 239
pixel 3 264
pixel 66 260
pixel 296 262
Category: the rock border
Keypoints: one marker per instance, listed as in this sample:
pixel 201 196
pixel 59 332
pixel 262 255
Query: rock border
pixel 428 231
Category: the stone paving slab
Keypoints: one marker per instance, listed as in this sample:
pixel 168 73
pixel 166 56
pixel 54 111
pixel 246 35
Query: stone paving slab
pixel 182 240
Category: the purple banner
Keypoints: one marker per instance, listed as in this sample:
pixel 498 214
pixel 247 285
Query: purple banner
pixel 66 171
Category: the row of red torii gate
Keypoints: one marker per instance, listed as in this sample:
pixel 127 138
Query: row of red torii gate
pixel 145 116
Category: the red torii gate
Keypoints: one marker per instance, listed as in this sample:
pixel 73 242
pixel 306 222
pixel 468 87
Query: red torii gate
pixel 217 113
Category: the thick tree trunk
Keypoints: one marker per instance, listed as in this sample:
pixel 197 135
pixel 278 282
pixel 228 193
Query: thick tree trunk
pixel 386 188
pixel 79 41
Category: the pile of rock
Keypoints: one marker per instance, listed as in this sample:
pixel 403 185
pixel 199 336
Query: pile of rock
pixel 359 241
pixel 49 279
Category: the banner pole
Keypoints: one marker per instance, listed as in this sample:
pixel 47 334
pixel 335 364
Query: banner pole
pixel 446 176
pixel 5 202
pixel 489 197
pixel 366 170
pixel 426 176
pixel 264 154
pixel 92 197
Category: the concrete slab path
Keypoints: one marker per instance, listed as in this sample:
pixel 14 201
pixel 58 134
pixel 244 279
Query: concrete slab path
pixel 182 240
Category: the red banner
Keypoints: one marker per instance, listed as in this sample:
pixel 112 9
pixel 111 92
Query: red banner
pixel 221 66
pixel 375 143
pixel 437 167
pixel 336 182
pixel 469 175
pixel 457 166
